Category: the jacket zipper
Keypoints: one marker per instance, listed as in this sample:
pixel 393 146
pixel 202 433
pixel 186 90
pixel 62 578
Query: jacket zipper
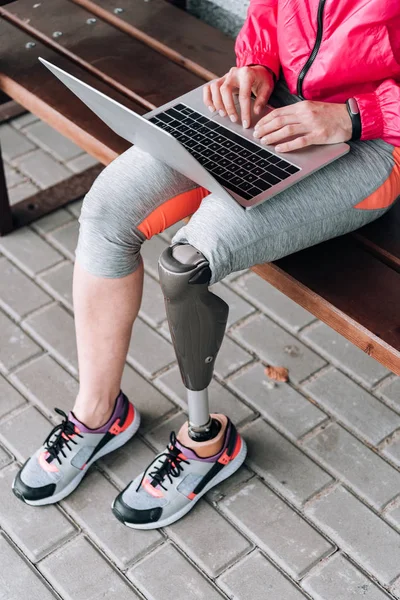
pixel 315 50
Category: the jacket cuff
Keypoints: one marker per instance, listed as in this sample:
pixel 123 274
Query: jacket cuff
pixel 245 59
pixel 371 116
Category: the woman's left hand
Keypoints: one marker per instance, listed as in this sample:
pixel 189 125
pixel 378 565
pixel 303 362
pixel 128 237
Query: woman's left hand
pixel 305 123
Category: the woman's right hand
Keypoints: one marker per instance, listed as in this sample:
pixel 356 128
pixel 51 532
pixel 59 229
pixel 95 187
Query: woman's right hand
pixel 218 94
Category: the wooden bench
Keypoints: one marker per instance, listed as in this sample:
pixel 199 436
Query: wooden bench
pixel 144 54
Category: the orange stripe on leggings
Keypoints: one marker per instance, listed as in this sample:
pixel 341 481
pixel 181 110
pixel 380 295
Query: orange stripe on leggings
pixel 172 211
pixel 387 193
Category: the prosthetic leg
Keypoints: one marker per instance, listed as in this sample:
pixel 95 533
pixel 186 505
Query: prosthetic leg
pixel 197 320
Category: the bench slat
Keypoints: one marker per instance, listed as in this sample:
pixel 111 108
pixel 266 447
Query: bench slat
pixel 123 62
pixel 199 47
pixel 345 286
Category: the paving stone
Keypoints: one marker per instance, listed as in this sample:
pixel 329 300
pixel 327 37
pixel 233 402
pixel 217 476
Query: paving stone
pixel 27 581
pixel 79 572
pixel 238 308
pixel 159 436
pixel 58 218
pixel 391 393
pixel 58 282
pixel 231 357
pixel 54 328
pixel 279 531
pixel 21 191
pixel 282 463
pixel 47 384
pixel 167 574
pixel 66 239
pixel 359 532
pixel 24 121
pixel 36 531
pixel 277 347
pixel 123 465
pixel 5 459
pixel 368 475
pixel 42 168
pixel 13 143
pixel 29 251
pixel 25 432
pixel 13 177
pixel 221 399
pixel 148 351
pixel 273 302
pixel 395 588
pixel 81 163
pixel 15 345
pixel 10 399
pixel 192 534
pixel 18 294
pixel 75 208
pixel 352 405
pixel 230 485
pixel 89 506
pixel 392 450
pixel 255 578
pixel 345 355
pixel 151 404
pixel 151 251
pixel 152 308
pixel 393 516
pixel 169 233
pixel 52 141
pixel 279 403
pixel 338 579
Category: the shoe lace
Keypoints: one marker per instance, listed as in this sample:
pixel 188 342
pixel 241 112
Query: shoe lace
pixel 170 467
pixel 61 434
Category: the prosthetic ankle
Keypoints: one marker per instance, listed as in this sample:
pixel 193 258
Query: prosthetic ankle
pixel 197 321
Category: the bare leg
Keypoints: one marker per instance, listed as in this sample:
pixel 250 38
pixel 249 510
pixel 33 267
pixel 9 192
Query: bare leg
pixel 105 310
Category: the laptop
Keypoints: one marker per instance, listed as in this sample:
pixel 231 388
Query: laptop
pixel 209 149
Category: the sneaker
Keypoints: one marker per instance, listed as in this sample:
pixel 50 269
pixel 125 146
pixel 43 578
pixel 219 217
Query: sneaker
pixel 175 481
pixel 57 468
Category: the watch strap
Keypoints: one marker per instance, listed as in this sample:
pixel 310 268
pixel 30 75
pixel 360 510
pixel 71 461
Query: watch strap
pixel 354 112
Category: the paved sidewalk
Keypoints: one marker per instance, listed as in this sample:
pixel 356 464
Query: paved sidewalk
pixel 314 514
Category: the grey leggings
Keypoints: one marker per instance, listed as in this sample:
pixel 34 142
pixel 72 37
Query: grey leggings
pixel 320 207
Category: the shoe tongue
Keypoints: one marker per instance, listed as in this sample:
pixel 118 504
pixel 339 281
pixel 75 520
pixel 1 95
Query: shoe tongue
pixel 119 404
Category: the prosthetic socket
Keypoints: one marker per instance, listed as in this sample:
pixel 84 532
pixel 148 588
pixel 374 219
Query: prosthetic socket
pixel 197 320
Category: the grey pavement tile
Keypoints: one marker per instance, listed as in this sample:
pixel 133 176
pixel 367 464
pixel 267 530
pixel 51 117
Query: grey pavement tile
pixel 81 163
pixel 255 578
pixel 277 529
pixel 345 355
pixel 278 348
pixel 338 579
pixel 65 239
pixel 392 449
pixel 230 485
pixel 149 351
pixel 36 531
pixel 10 398
pixel 393 515
pixel 152 308
pixel 238 308
pixel 75 208
pixel 282 464
pixel 351 404
pixel 54 328
pixel 151 251
pixel 19 295
pixel 25 432
pixel 52 141
pixel 14 587
pixel 231 357
pixel 359 532
pixel 279 403
pixel 368 475
pixel 167 574
pixel 395 588
pixel 13 177
pixel 5 459
pixel 58 282
pixel 391 393
pixel 24 120
pixel 42 168
pixel 46 384
pixel 169 233
pixel 21 191
pixel 13 143
pixel 159 435
pixel 152 405
pixel 192 534
pixel 29 251
pixel 56 219
pixel 79 572
pixel 15 345
pixel 272 302
pixel 89 506
pixel 126 463
pixel 221 399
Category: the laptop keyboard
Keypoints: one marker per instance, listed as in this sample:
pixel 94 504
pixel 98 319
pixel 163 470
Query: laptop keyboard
pixel 235 162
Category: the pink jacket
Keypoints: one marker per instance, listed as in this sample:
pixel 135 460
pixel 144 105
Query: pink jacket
pixel 332 50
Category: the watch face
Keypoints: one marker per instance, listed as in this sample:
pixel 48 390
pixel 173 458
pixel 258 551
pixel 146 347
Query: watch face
pixel 353 106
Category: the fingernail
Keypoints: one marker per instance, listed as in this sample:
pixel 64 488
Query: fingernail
pixel 264 140
pixel 211 109
pixel 256 134
pixel 245 124
pixel 222 113
pixel 233 118
pixel 278 148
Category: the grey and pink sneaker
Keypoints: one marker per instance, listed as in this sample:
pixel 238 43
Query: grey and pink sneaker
pixel 57 467
pixel 175 481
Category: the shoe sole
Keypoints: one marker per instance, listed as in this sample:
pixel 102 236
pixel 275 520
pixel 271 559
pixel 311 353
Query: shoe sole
pixel 119 441
pixel 229 470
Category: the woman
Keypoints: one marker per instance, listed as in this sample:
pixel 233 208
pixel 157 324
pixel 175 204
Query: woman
pixel 329 54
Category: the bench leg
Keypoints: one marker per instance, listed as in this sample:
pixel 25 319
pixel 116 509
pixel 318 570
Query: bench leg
pixel 6 220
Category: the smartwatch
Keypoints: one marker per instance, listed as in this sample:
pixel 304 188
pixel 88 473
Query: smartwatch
pixel 354 113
